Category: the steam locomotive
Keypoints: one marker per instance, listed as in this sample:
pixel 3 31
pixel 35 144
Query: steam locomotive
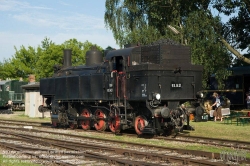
pixel 140 87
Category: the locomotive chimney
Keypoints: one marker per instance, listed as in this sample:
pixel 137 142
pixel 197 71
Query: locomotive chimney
pixel 67 58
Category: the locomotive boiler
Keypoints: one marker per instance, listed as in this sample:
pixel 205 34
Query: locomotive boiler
pixel 140 87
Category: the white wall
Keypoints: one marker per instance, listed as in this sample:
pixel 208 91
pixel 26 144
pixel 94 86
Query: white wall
pixel 33 100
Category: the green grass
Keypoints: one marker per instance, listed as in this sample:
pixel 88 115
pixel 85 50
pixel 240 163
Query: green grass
pixel 20 116
pixel 218 129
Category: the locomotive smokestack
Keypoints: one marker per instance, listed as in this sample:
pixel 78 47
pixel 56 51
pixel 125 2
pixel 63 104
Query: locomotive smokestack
pixel 67 58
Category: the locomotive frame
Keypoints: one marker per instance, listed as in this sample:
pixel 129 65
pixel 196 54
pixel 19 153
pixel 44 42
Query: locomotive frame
pixel 142 87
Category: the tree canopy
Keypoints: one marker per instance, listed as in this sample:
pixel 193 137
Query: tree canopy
pixel 41 60
pixel 214 42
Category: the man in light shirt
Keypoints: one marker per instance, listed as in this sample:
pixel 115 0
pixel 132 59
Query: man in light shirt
pixel 10 105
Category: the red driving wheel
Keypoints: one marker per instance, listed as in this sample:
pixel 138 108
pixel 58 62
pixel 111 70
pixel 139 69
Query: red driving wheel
pixel 114 124
pixel 86 123
pixel 140 123
pixel 100 124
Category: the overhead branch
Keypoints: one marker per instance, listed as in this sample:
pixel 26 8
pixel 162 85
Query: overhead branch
pixel 235 52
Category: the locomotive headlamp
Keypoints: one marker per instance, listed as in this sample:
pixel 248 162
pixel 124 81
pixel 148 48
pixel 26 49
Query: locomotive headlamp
pixel 157 96
pixel 200 95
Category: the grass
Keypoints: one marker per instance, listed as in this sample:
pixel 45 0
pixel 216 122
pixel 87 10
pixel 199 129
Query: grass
pixel 20 115
pixel 218 129
pixel 209 129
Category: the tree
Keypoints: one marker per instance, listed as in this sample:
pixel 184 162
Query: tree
pixel 53 55
pixel 41 60
pixel 46 43
pixel 20 65
pixel 188 22
pixel 79 50
pixel 47 59
pixel 6 69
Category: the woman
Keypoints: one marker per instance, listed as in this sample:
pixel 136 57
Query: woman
pixel 216 107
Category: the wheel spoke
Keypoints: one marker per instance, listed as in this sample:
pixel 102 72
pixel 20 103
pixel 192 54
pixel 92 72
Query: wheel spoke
pixel 140 123
pixel 100 124
pixel 86 123
pixel 114 124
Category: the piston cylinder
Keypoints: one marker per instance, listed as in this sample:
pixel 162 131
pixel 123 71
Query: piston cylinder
pixel 162 112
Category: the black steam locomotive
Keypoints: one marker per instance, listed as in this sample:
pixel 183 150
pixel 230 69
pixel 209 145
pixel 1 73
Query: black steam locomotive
pixel 141 87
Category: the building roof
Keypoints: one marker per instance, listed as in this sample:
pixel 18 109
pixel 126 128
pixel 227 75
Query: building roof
pixel 31 86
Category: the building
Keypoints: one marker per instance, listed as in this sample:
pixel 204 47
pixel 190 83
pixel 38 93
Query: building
pixel 33 99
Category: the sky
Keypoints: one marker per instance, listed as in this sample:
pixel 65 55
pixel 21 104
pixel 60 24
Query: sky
pixel 29 22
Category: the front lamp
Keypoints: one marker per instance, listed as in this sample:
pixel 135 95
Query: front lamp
pixel 200 95
pixel 157 96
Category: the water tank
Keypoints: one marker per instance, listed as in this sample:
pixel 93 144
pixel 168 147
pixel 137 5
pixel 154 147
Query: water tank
pixel 93 56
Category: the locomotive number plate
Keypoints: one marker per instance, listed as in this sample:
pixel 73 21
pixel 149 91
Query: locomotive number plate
pixel 176 85
pixel 110 90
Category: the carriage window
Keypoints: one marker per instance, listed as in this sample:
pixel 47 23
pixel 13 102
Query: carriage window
pixel 7 88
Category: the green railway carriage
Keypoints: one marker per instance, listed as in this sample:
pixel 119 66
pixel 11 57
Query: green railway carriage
pixel 11 89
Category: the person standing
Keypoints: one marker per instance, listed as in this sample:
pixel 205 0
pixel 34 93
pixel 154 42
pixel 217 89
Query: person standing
pixel 248 100
pixel 10 104
pixel 216 107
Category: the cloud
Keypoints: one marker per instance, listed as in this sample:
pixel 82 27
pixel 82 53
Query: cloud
pixel 34 40
pixel 66 21
pixel 101 39
pixel 27 24
pixel 35 16
pixel 73 22
pixel 13 5
pixel 35 19
pixel 64 4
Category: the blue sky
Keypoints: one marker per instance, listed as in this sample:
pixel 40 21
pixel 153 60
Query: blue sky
pixel 28 22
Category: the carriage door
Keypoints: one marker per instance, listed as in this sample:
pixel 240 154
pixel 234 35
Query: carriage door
pixel 120 78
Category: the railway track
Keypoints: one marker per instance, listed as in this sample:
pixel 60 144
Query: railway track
pixel 234 144
pixel 110 153
pixel 145 151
